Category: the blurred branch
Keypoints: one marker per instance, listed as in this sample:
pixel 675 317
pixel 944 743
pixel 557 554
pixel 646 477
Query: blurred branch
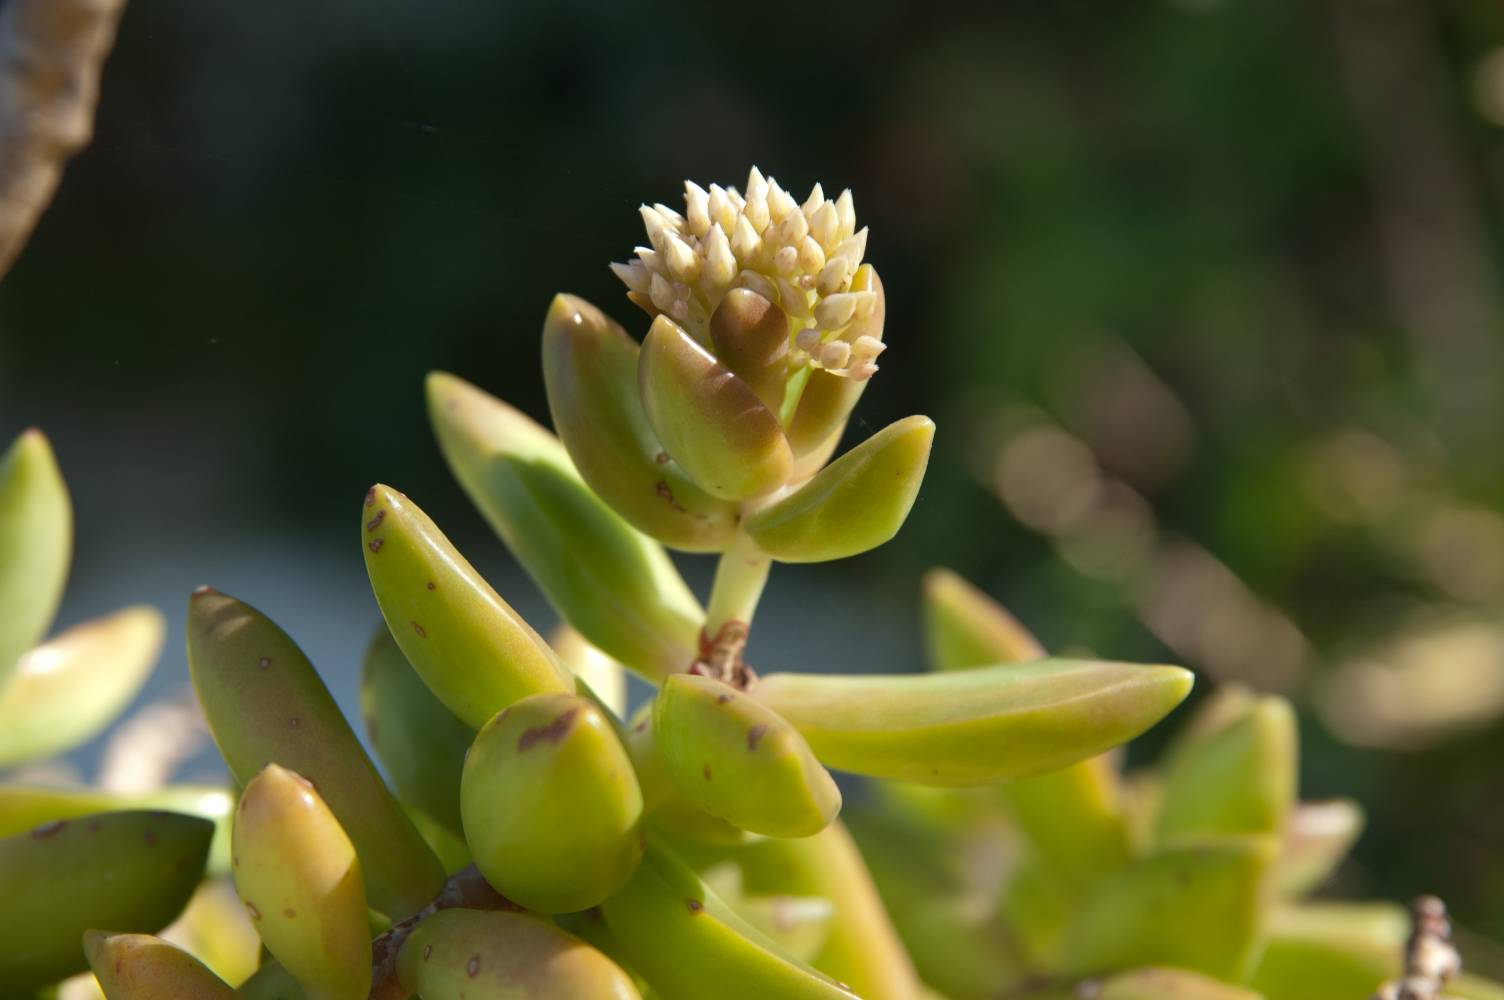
pixel 51 53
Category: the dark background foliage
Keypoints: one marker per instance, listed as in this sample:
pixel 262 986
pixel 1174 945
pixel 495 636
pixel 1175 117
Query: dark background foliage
pixel 1203 294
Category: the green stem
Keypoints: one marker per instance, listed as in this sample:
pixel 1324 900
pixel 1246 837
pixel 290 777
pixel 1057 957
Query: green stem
pixel 739 579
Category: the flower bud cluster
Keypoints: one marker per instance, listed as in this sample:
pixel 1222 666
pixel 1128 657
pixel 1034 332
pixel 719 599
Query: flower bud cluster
pixel 802 257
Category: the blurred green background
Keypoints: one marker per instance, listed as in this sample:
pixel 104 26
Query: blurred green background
pixel 1204 295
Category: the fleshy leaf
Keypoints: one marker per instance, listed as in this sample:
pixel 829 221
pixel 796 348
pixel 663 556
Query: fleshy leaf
pixel 131 871
pixel 751 337
pixel 689 944
pixel 1317 838
pixel 856 503
pixel 1240 779
pixel 975 726
pixel 861 948
pixel 1168 984
pixel 266 704
pixel 65 691
pixel 739 761
pixel 551 806
pixel 142 967
pixel 421 743
pixel 611 582
pixel 36 535
pixel 1195 906
pixel 1331 951
pixel 709 420
pixel 964 628
pixel 603 676
pixel 494 953
pixel 590 371
pixel 471 649
pixel 297 873
pixel 1073 818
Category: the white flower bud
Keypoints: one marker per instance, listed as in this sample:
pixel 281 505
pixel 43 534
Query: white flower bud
pixel 756 211
pixel 746 242
pixel 720 262
pixel 813 202
pixel 835 354
pixel 833 277
pixel 661 292
pixel 781 204
pixel 683 263
pixel 794 300
pixel 650 259
pixel 656 225
pixel 808 340
pixel 793 229
pixel 825 226
pixel 811 257
pixel 720 208
pixel 634 276
pixel 835 311
pixel 697 208
pixel 759 284
pixel 846 214
pixel 673 218
pixel 757 185
pixel 853 248
pixel 866 349
pixel 862 372
pixel 785 260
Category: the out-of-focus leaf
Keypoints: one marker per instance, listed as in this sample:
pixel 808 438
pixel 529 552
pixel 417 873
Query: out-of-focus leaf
pixel 65 691
pixel 1317 838
pixel 1331 951
pixel 36 536
pixel 964 628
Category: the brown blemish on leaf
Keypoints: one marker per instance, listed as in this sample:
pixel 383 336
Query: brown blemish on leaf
pixel 264 663
pixel 290 913
pixel 707 772
pixel 472 967
pixel 552 733
pixel 250 908
pixel 419 629
pixel 662 489
pixel 49 829
pixel 294 722
pixel 661 458
pixel 695 906
pixel 432 585
pixel 371 497
pixel 375 522
pixel 150 837
pixel 722 698
pixel 755 735
pixel 376 544
pixel 427 952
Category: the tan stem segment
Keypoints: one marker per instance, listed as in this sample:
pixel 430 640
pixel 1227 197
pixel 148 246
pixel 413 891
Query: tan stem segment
pixel 51 54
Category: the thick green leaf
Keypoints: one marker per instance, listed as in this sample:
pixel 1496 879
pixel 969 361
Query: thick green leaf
pixel 472 650
pixel 298 875
pixel 488 953
pixel 1331 951
pixel 552 808
pixel 964 628
pixel 65 691
pixel 266 704
pixel 36 535
pixel 861 948
pixel 131 871
pixel 142 967
pixel 975 726
pixel 420 742
pixel 1317 838
pixel 590 371
pixel 612 583
pixel 1195 906
pixel 856 503
pixel 1240 779
pixel 23 807
pixel 751 337
pixel 1168 984
pixel 709 420
pixel 1073 819
pixel 689 944
pixel 740 761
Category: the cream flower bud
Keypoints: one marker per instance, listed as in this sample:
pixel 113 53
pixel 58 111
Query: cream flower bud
pixel 793 229
pixel 781 204
pixel 811 257
pixel 808 340
pixel 833 277
pixel 835 311
pixel 813 202
pixel 825 226
pixel 785 260
pixel 756 211
pixel 846 214
pixel 634 276
pixel 720 208
pixel 656 225
pixel 683 263
pixel 835 354
pixel 661 292
pixel 759 284
pixel 746 242
pixel 720 262
pixel 696 208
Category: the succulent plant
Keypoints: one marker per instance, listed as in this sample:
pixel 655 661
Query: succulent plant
pixel 537 841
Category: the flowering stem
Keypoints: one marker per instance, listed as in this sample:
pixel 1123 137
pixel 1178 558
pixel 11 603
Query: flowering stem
pixel 739 579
